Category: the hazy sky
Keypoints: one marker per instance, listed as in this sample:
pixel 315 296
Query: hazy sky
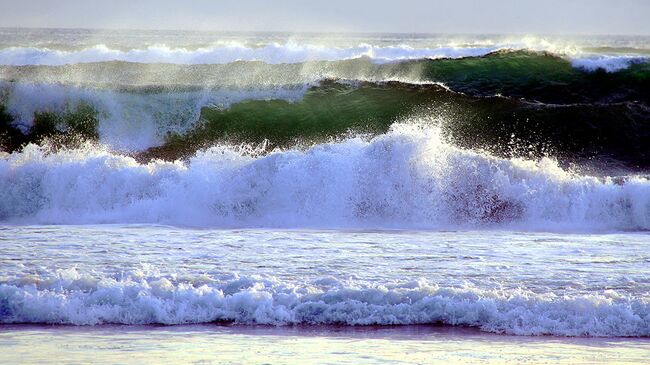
pixel 443 16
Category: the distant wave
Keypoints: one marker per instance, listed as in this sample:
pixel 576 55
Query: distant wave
pixel 67 297
pixel 407 178
pixel 275 53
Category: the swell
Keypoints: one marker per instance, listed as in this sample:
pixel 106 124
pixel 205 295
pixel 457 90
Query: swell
pixel 539 76
pixel 608 58
pixel 271 53
pixel 68 297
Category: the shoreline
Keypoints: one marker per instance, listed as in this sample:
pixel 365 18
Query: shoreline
pixel 409 331
pixel 233 344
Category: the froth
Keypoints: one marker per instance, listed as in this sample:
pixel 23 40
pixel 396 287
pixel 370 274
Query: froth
pixel 607 63
pixel 71 298
pixel 409 177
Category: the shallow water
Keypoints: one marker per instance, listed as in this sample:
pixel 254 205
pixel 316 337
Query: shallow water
pixel 500 281
pixel 209 344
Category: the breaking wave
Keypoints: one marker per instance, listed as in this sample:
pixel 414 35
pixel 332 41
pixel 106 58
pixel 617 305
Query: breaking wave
pixel 68 297
pixel 407 178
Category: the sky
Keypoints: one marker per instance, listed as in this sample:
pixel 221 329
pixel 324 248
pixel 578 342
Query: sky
pixel 408 16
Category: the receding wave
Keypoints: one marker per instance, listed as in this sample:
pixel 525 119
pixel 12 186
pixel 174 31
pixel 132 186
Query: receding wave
pixel 68 297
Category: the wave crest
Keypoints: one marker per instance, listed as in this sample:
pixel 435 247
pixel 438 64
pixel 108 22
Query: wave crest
pixel 409 177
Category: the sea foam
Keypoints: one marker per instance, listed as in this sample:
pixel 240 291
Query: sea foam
pixel 606 63
pixel 409 177
pixel 68 297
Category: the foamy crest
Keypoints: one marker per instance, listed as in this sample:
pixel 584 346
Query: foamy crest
pixel 408 177
pixel 607 63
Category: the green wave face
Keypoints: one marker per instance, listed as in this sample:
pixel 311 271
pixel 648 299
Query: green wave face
pixel 504 126
pixel 75 125
pixel 539 76
pixel 531 75
pixel 325 111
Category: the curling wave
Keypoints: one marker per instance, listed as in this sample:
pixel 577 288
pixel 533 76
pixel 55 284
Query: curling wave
pixel 538 98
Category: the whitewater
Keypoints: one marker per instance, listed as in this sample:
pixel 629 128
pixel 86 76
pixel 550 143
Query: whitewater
pixel 285 277
pixel 407 178
pixel 410 192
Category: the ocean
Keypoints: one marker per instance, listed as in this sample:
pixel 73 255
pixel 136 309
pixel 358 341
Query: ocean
pixel 359 198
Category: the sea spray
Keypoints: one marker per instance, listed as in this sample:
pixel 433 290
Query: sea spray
pixel 408 177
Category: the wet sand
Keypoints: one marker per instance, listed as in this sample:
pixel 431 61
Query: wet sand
pixel 234 344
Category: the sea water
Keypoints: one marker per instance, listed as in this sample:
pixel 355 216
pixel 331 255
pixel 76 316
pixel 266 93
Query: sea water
pixel 333 295
pixel 320 240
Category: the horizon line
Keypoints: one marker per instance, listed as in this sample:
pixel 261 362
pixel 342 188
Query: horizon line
pixel 319 32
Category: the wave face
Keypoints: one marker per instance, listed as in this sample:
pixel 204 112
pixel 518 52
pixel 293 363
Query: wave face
pixel 127 120
pixel 408 177
pixel 505 126
pixel 68 297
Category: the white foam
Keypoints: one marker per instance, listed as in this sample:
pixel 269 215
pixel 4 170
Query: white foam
pixel 272 53
pixel 605 62
pixel 408 177
pixel 137 298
